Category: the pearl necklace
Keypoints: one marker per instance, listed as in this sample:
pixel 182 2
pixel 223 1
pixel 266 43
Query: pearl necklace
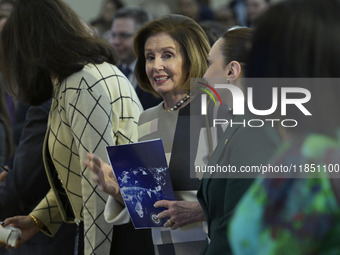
pixel 178 105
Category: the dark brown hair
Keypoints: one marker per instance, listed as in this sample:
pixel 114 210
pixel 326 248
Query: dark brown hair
pixel 45 38
pixel 188 34
pixel 236 45
pixel 298 39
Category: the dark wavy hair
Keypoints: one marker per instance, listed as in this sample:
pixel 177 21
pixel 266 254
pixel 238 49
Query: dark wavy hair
pixel 43 39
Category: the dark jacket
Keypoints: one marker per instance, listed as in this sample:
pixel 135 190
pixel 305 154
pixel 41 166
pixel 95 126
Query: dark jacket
pixel 26 184
pixel 238 146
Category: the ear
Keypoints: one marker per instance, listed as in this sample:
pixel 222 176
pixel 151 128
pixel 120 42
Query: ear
pixel 233 70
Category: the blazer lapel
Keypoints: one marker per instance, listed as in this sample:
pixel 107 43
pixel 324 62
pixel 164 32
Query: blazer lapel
pixel 217 156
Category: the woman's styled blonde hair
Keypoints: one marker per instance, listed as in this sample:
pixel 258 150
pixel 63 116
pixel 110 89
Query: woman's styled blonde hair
pixel 191 38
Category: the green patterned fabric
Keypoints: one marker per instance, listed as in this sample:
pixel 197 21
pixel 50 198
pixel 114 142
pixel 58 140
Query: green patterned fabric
pixel 291 215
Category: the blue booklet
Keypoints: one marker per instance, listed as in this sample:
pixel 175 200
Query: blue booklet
pixel 143 178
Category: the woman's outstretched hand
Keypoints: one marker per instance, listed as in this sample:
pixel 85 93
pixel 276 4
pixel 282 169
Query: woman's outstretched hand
pixel 103 176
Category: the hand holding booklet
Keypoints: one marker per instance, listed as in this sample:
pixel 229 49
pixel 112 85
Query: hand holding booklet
pixel 143 178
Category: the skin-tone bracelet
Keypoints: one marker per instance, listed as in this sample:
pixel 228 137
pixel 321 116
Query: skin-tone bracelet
pixel 35 221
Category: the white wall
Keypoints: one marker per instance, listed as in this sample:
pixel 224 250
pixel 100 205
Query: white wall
pixel 89 9
pixel 86 9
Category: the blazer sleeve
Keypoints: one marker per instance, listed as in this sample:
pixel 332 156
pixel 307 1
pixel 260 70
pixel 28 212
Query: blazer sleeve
pixel 26 183
pixel 53 219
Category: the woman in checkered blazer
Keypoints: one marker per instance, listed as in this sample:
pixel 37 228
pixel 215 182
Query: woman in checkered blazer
pixel 46 50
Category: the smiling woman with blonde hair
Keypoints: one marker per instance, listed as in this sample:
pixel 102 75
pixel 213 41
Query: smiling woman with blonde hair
pixel 170 51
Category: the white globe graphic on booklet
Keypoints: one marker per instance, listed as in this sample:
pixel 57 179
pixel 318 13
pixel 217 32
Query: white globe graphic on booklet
pixel 143 177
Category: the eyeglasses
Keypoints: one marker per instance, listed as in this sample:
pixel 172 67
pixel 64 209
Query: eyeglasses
pixel 123 36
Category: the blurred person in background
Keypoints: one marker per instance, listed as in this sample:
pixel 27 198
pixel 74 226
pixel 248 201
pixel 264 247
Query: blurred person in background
pixel 296 212
pixel 126 22
pixel 195 9
pixel 213 29
pixel 26 184
pixel 255 9
pixel 226 16
pixel 103 22
pixel 16 108
pixel 238 7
